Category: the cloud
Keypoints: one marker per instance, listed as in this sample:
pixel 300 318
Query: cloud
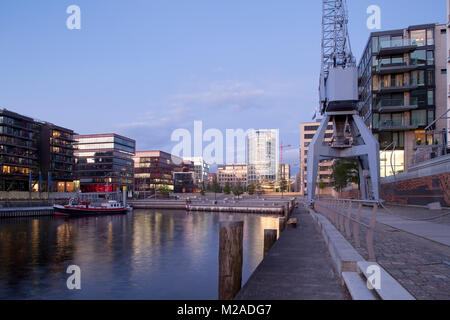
pixel 232 95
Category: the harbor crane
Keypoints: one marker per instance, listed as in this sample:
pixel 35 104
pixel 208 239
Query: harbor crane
pixel 338 91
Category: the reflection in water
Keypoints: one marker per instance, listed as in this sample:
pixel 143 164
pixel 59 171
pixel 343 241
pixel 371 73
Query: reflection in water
pixel 144 255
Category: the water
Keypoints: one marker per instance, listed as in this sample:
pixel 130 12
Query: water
pixel 148 254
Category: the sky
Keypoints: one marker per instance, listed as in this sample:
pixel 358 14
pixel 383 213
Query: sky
pixel 144 68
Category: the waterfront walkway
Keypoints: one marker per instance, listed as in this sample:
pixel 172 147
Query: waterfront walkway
pixel 414 251
pixel 416 221
pixel 297 267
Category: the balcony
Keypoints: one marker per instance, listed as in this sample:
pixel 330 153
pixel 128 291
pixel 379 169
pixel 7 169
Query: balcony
pixel 392 47
pixel 393 125
pixel 394 105
pixel 394 68
pixel 396 88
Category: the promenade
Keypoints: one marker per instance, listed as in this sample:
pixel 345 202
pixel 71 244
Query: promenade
pixel 412 245
pixel 298 267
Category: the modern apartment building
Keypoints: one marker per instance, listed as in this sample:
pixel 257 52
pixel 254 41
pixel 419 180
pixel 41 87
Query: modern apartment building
pixel 401 76
pixel 18 151
pixel 56 158
pixel 232 174
pixel 155 169
pixel 307 132
pixel 201 169
pixel 104 162
pixel 262 156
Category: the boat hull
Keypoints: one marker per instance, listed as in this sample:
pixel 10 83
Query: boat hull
pixel 78 212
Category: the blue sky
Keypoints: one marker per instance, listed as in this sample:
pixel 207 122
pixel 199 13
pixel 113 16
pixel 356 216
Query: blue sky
pixel 144 68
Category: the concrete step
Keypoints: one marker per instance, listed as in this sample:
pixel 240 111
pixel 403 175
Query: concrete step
pixel 390 289
pixel 357 286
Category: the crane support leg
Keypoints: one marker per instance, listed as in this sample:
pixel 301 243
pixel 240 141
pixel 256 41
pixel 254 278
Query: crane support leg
pixel 315 151
pixel 363 147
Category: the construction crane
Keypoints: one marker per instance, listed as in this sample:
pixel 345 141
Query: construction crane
pixel 282 147
pixel 338 92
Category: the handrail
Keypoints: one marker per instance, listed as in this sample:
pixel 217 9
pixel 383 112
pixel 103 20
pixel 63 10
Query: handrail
pixel 340 213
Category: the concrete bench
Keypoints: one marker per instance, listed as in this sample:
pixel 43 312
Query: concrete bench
pixel 390 289
pixel 357 286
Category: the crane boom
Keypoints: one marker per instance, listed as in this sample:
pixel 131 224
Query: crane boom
pixel 338 91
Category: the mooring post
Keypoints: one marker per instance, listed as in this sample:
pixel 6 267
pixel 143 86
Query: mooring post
pixel 270 237
pixel 231 237
pixel 281 224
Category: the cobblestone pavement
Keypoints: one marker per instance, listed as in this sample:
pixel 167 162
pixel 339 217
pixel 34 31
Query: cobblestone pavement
pixel 420 265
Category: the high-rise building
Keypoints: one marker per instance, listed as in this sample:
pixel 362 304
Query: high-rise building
pixel 103 162
pixel 262 156
pixel 201 169
pixel 56 157
pixel 233 174
pixel 155 169
pixel 307 132
pixel 401 76
pixel 18 151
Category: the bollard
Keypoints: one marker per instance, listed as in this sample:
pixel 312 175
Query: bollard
pixel 231 237
pixel 270 237
pixel 281 224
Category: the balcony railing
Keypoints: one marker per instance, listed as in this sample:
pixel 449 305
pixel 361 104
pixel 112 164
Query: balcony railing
pixel 398 43
pixel 395 125
pixel 393 105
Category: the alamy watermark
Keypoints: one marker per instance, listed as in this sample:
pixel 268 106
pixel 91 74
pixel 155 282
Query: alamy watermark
pixel 210 144
pixel 74 281
pixel 374 19
pixel 73 22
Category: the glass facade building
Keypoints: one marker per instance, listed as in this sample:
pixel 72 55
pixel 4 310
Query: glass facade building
pixel 201 169
pixel 155 169
pixel 18 151
pixel 398 91
pixel 56 158
pixel 104 162
pixel 262 156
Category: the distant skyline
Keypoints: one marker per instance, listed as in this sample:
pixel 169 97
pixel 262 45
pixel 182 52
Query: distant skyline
pixel 146 68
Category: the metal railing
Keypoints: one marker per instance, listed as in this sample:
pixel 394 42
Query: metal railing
pixel 340 213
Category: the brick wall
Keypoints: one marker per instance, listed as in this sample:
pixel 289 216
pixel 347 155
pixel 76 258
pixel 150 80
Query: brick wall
pixel 420 191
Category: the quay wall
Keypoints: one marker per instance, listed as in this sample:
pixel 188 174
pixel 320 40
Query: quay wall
pixel 421 185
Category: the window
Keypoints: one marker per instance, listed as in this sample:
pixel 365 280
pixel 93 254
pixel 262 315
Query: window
pixel 418 78
pixel 418 57
pixel 375 47
pixel 430 37
pixel 419 117
pixel 443 71
pixel 430 116
pixel 419 97
pixel 398 59
pixel 418 37
pixel 430 58
pixel 430 78
pixel 443 31
pixel 430 96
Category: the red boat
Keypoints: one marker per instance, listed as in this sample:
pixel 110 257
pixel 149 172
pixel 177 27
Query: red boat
pixel 86 208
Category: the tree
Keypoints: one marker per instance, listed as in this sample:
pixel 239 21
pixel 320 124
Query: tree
pixel 216 188
pixel 283 186
pixel 164 190
pixel 237 190
pixel 344 172
pixel 251 189
pixel 202 188
pixel 227 188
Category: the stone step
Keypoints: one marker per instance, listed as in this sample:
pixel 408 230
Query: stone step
pixel 357 286
pixel 390 289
